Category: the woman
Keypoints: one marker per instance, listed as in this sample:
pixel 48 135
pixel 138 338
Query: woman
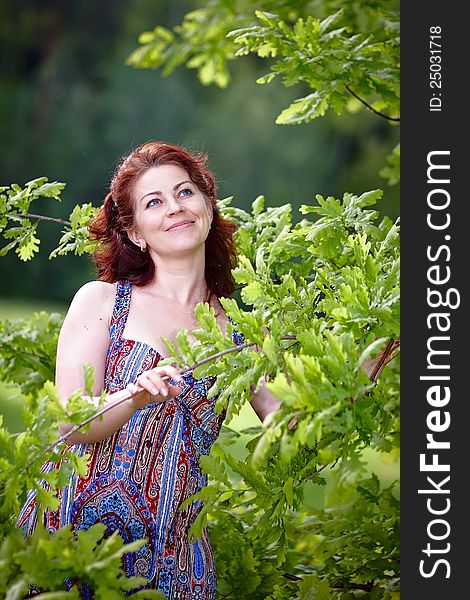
pixel 163 247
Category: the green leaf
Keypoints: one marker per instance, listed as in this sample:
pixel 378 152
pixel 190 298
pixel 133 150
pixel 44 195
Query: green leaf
pixel 28 247
pixel 313 588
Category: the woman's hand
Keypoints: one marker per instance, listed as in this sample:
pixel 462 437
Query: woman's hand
pixel 152 386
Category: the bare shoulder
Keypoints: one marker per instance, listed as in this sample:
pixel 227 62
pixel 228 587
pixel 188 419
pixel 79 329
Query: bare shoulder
pixel 100 291
pixel 84 336
pixel 94 297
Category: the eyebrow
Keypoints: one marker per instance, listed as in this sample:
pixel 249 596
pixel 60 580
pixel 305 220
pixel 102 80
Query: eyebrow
pixel 158 193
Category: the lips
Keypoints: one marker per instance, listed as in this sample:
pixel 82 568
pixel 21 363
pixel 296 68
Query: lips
pixel 180 224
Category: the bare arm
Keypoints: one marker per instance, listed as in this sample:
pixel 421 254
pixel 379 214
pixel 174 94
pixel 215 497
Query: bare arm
pixel 84 338
pixel 264 403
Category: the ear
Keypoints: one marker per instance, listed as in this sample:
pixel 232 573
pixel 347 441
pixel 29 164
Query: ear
pixel 210 210
pixel 135 238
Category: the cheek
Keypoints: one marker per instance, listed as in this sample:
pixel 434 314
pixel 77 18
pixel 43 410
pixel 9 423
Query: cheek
pixel 149 220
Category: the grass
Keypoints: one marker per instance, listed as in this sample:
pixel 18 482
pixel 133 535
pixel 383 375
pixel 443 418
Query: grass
pixel 18 308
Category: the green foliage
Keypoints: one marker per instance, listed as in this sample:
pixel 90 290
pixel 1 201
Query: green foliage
pixel 346 54
pixel 323 297
pixel 328 53
pixel 329 58
pixel 19 225
pixel 76 238
pixel 67 556
pixel 320 297
pixel 28 348
pixel 16 221
pixel 200 42
pixel 22 457
pixel 391 172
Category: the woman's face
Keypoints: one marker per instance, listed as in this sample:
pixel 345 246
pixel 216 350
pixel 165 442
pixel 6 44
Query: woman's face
pixel 171 216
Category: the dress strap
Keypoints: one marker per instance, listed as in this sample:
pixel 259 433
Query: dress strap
pixel 122 303
pixel 237 338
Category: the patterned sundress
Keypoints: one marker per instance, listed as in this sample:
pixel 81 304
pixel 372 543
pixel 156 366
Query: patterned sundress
pixel 138 477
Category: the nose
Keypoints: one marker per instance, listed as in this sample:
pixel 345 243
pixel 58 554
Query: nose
pixel 174 206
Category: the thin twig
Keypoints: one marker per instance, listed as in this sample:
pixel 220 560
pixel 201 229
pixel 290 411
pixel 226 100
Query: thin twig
pixel 312 475
pixel 384 359
pixel 366 587
pixel 293 344
pixel 370 107
pixel 292 577
pixel 128 396
pixel 44 218
pixel 381 363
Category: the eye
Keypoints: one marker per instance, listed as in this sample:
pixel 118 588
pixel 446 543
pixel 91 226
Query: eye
pixel 153 202
pixel 185 192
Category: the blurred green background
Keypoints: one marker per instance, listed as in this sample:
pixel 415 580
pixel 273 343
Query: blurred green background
pixel 71 107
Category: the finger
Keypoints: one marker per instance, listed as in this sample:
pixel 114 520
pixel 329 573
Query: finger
pixel 158 374
pixel 170 371
pixel 159 384
pixel 153 384
pixel 133 389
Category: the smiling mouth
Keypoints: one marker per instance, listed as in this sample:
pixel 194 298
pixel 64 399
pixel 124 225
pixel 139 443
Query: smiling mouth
pixel 179 225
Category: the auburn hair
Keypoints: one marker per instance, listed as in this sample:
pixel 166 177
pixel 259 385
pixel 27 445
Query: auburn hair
pixel 116 257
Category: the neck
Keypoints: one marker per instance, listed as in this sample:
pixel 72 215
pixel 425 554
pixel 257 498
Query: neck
pixel 181 281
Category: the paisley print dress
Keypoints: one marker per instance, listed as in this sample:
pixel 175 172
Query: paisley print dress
pixel 138 478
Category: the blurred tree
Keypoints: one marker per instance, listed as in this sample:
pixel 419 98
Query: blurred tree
pixel 71 108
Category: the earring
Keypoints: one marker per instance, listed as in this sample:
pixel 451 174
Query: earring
pixel 143 247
